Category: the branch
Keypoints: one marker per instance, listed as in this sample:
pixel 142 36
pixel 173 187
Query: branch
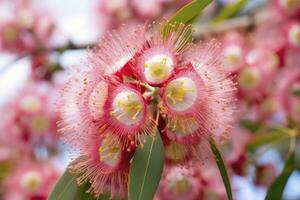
pixel 204 30
pixel 69 46
pixel 201 31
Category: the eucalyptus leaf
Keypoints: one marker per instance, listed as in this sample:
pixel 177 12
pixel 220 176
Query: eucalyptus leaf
pixel 190 11
pixel 229 10
pixel 67 189
pixel 146 169
pixel 275 191
pixel 222 168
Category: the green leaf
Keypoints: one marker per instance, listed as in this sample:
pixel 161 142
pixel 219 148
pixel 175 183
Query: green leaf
pixel 67 189
pixel 275 191
pixel 146 169
pixel 188 12
pixel 222 168
pixel 264 139
pixel 82 193
pixel 229 10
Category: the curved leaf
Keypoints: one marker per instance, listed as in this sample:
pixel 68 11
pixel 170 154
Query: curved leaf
pixel 146 169
pixel 65 189
pixel 276 189
pixel 188 12
pixel 82 193
pixel 229 10
pixel 222 168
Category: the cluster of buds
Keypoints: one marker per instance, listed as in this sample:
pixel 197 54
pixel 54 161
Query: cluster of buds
pixel 139 80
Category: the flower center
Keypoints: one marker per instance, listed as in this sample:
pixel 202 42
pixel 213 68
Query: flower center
pixel 31 181
pixel 10 34
pixel 158 68
pixel 184 127
pixel 233 55
pixel 115 5
pixel 127 107
pixel 181 93
pixel 109 151
pixel 249 78
pixel 176 151
pixel 25 18
pixel 31 104
pixel 290 4
pixel 40 123
pixel 294 34
pixel 179 183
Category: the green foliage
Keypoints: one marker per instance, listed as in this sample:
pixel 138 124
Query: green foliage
pixel 276 189
pixel 229 11
pixel 67 189
pixel 146 169
pixel 222 168
pixel 190 11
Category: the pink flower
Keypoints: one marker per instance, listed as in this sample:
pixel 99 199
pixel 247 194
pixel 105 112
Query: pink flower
pixel 269 32
pixel 195 182
pixel 288 7
pixel 261 66
pixel 179 183
pixel 137 80
pixel 30 120
pixel 288 85
pixel 26 31
pixel 234 50
pixel 293 34
pixel 104 164
pixel 30 181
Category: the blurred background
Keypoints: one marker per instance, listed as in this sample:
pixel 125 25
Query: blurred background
pixel 39 40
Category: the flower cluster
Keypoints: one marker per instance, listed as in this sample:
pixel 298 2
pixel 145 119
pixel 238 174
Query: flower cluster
pixel 30 32
pixel 29 121
pixel 28 143
pixel 139 80
pixel 27 30
pixel 266 64
pixel 257 58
